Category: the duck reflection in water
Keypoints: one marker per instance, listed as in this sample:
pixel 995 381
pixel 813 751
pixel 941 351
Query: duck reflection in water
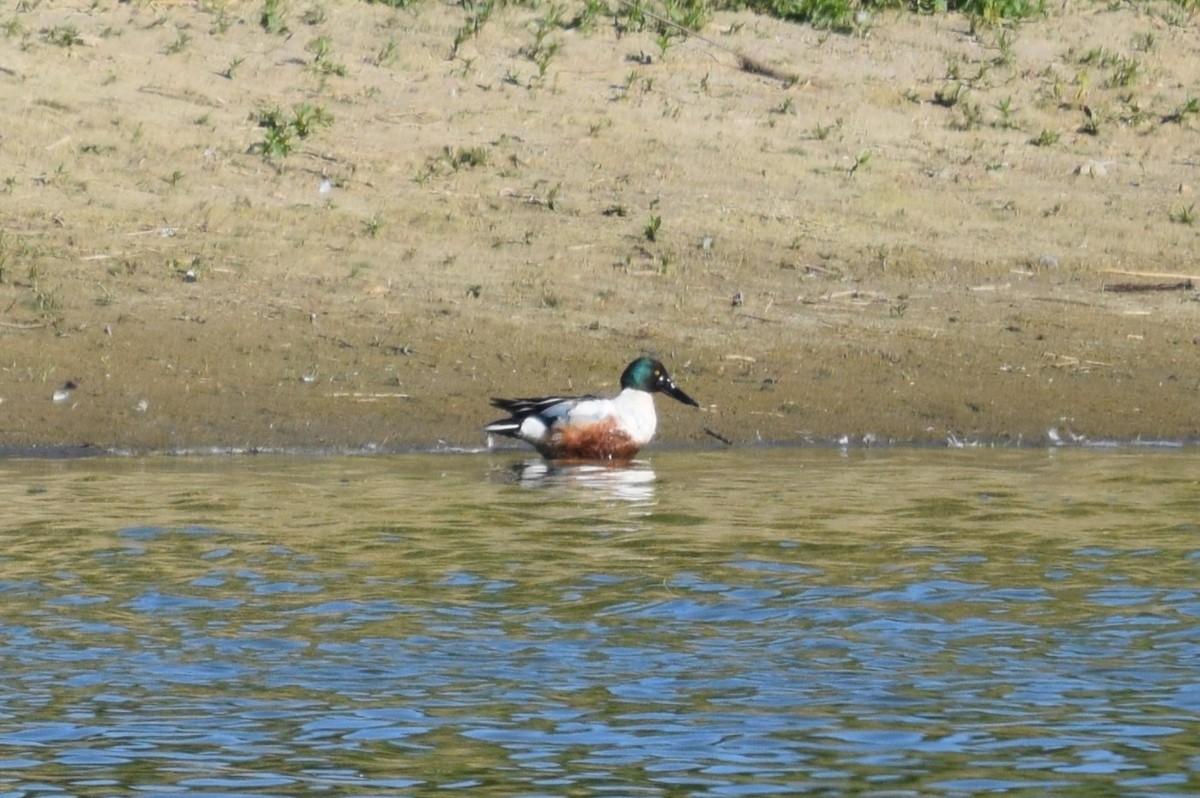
pixel 631 481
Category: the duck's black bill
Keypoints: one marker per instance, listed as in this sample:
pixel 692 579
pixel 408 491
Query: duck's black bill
pixel 672 391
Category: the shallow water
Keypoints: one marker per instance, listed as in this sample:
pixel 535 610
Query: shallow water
pixel 893 623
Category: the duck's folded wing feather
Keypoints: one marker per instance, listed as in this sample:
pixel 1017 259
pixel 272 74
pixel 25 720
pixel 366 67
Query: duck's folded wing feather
pixel 550 407
pixel 587 409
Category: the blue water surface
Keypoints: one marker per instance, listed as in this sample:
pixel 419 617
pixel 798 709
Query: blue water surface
pixel 735 623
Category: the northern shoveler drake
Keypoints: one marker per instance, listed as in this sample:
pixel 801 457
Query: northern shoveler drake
pixel 592 427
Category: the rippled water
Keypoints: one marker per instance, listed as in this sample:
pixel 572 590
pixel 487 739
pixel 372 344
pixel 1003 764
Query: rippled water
pixel 891 623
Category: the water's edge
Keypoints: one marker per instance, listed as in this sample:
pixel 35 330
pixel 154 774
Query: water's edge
pixel 81 451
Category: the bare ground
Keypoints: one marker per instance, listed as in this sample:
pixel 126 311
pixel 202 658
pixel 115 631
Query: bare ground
pixel 915 240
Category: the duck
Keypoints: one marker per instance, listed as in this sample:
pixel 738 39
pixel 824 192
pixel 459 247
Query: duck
pixel 592 427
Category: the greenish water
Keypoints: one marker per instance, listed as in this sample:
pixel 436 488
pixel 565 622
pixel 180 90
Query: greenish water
pixel 746 622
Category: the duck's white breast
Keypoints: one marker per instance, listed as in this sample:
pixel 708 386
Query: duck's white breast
pixel 635 410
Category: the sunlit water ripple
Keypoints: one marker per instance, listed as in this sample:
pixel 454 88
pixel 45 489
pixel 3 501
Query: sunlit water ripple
pixel 755 622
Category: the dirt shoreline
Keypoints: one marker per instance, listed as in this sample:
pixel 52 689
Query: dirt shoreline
pixel 916 242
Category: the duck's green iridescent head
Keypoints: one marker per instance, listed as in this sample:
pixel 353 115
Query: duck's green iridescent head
pixel 649 375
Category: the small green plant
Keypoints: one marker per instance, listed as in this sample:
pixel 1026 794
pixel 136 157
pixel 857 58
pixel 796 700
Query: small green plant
pixel 993 12
pixel 106 299
pixel 1083 82
pixel 653 224
pixel 223 21
pixel 1046 138
pixel 372 225
pixel 387 54
pixel 1179 14
pixel 786 108
pixel 1058 91
pixel 632 78
pixel 544 56
pixel 1125 73
pixel 1191 107
pixel 478 13
pixel 689 16
pixel 595 128
pixel 277 144
pixel 585 20
pixel 665 263
pixel 174 178
pixel 65 35
pixel 635 18
pixel 860 161
pixel 1006 114
pixel 543 50
pixel 834 15
pixel 467 65
pixel 271 19
pixel 1091 122
pixel 466 157
pixel 1125 70
pixel 1182 215
pixel 1134 114
pixel 282 130
pixel 322 49
pixel 43 301
pixel 949 94
pixel 307 119
pixel 972 116
pixel 234 63
pixel 59 176
pixel 315 15
pixel 1004 43
pixel 179 44
pixel 1099 56
pixel 553 18
pixel 452 159
pixel 664 39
